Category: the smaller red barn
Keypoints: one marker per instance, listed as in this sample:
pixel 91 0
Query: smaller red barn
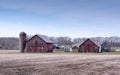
pixel 88 46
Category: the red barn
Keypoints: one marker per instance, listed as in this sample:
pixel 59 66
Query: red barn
pixel 88 46
pixel 37 43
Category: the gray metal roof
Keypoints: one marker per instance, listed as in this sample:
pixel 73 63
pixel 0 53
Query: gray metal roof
pixel 77 44
pixel 45 38
pixel 97 43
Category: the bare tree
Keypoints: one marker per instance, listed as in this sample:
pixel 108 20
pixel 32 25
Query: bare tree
pixel 64 41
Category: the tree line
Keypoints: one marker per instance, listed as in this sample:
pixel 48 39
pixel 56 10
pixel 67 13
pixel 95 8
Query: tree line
pixel 13 42
pixel 9 43
pixel 113 41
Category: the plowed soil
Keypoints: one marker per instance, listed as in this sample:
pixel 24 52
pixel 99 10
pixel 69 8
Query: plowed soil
pixel 59 64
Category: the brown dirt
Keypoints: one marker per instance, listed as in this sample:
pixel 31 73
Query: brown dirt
pixel 59 64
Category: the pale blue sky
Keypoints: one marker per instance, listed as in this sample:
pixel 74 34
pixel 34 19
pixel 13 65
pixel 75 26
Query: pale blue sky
pixel 73 18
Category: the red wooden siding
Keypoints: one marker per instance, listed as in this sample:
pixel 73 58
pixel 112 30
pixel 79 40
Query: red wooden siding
pixel 50 47
pixel 36 44
pixel 88 46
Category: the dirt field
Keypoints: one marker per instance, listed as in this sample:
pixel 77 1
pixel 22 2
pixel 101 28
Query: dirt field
pixel 15 63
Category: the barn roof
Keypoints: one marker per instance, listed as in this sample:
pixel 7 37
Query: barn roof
pixel 45 38
pixel 97 43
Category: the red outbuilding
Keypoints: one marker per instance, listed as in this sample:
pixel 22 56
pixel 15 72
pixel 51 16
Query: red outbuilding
pixel 88 46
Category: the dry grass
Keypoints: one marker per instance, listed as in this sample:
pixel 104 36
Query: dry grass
pixel 15 63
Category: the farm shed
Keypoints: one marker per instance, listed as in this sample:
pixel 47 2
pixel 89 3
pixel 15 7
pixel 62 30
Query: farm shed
pixel 56 46
pixel 87 46
pixel 75 47
pixel 36 43
pixel 105 47
pixel 66 48
pixel 0 46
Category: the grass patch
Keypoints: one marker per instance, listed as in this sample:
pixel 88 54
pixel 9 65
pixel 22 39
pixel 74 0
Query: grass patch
pixel 18 52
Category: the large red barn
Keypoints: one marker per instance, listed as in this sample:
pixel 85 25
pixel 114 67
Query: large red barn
pixel 37 43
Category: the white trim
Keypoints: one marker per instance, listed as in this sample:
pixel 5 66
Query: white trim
pixel 100 49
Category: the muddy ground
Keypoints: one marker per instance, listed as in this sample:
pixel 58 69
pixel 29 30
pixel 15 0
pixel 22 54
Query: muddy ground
pixel 59 64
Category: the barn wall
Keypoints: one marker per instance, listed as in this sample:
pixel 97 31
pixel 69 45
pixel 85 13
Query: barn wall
pixel 88 46
pixel 50 47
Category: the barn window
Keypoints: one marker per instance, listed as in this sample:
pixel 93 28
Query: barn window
pixel 88 46
pixel 36 42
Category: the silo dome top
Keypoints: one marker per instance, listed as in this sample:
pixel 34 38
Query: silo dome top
pixel 22 33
